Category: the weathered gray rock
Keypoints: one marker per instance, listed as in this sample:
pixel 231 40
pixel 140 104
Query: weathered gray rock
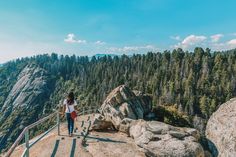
pixel 125 125
pixel 122 103
pixel 160 139
pixel 200 124
pixel 100 123
pixel 125 110
pixel 220 130
pixel 30 85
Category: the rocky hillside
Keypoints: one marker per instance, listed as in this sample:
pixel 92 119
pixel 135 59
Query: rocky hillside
pixel 24 103
pixel 220 130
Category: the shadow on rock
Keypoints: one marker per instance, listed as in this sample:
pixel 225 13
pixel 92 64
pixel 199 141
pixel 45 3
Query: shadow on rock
pixel 212 148
pixel 105 139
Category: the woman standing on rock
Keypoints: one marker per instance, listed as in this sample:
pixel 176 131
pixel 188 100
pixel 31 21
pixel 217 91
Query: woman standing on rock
pixel 69 108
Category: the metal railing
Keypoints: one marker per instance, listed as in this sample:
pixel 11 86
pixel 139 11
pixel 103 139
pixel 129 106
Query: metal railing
pixel 25 133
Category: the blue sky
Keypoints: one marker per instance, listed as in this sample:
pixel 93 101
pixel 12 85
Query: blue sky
pixel 88 27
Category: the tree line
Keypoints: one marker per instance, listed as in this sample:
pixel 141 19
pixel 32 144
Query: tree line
pixel 196 82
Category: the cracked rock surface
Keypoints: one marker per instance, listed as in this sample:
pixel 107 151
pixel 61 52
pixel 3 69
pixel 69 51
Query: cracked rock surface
pixel 124 110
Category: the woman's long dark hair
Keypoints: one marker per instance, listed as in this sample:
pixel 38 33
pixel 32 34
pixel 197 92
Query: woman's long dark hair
pixel 70 98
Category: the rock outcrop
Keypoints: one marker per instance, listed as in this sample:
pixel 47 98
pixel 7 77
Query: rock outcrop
pixel 30 85
pixel 220 130
pixel 122 104
pixel 160 139
pixel 125 111
pixel 24 102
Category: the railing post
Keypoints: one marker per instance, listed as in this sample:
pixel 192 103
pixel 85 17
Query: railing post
pixel 27 143
pixel 83 110
pixel 58 123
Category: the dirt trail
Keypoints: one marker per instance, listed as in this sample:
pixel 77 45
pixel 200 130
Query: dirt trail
pixel 53 145
pixel 97 144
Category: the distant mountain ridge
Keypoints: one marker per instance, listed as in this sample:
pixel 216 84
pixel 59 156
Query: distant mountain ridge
pixel 104 54
pixel 97 56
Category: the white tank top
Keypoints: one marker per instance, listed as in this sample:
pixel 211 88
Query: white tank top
pixel 69 108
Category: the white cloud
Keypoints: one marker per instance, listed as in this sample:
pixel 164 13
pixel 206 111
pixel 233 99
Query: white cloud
pixel 100 42
pixel 215 38
pixel 191 41
pixel 232 43
pixel 81 41
pixel 133 48
pixel 218 46
pixel 72 39
pixel 212 42
pixel 175 37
